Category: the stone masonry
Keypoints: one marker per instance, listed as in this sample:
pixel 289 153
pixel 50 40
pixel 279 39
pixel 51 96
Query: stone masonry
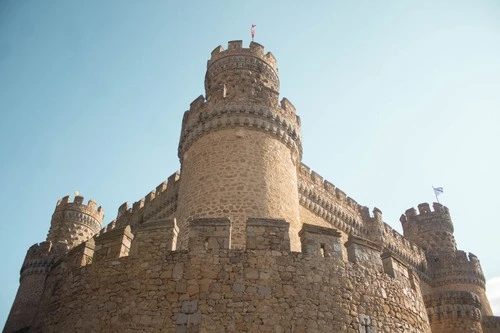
pixel 246 238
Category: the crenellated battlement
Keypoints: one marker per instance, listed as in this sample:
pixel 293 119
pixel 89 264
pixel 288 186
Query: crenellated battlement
pixel 242 74
pixel 268 275
pixel 430 229
pixel 329 202
pixel 332 204
pixel 77 204
pixel 407 250
pixel 213 235
pixel 235 48
pixel 73 222
pixel 159 203
pixel 424 211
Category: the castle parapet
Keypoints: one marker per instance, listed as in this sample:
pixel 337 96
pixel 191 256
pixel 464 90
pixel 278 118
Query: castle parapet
pixel 396 268
pixel 407 251
pixel 157 204
pixel 235 47
pixel 267 234
pixel 320 241
pixel 209 234
pixel 364 252
pixel 329 202
pixel 82 254
pixel 90 208
pixel 113 244
pixel 427 219
pixel 153 237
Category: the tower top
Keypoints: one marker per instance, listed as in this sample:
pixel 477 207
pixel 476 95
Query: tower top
pixel 242 75
pixel 236 48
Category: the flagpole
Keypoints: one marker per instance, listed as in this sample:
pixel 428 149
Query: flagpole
pixel 435 194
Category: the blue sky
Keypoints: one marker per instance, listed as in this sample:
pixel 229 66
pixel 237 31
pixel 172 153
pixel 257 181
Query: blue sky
pixel 394 97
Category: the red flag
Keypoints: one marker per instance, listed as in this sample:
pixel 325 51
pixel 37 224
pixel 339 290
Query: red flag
pixel 252 30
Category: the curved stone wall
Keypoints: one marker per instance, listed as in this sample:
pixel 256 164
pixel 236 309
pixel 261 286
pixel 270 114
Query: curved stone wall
pixel 238 173
pixel 228 291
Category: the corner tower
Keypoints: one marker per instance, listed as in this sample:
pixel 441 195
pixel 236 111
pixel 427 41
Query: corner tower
pixel 239 147
pixel 72 223
pixel 451 270
pixel 431 230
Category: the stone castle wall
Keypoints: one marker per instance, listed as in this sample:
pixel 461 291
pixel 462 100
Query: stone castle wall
pixel 216 289
pixel 158 204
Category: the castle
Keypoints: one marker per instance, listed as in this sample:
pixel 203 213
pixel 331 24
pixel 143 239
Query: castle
pixel 246 238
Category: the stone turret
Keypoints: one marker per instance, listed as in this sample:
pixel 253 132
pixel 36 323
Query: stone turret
pixel 239 148
pixel 451 270
pixel 431 230
pixel 72 223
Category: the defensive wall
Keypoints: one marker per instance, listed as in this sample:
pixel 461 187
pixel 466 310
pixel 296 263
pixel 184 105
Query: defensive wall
pixel 142 283
pixel 158 204
pixel 322 203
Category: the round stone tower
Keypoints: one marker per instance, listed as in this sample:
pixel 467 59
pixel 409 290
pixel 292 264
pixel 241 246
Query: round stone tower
pixel 450 270
pixel 239 147
pixel 431 230
pixel 74 222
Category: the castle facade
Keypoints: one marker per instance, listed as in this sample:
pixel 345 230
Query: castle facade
pixel 246 238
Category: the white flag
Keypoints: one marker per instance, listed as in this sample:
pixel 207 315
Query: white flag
pixel 437 190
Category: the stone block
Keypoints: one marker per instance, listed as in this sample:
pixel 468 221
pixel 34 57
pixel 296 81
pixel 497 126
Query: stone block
pixel 153 236
pixel 82 254
pixel 267 234
pixel 113 244
pixel 209 234
pixel 364 252
pixel 320 241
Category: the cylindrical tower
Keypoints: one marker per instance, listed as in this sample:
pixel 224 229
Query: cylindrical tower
pixel 74 222
pixel 239 148
pixel 431 230
pixel 451 270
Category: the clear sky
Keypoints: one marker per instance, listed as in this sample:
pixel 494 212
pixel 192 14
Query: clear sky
pixel 394 97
